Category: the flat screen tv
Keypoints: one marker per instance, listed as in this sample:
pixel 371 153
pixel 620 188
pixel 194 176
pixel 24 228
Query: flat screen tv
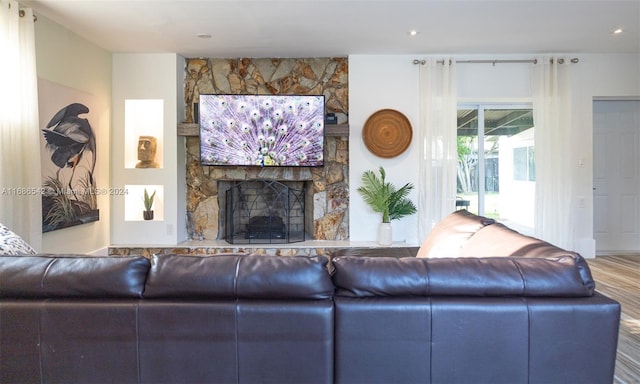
pixel 262 130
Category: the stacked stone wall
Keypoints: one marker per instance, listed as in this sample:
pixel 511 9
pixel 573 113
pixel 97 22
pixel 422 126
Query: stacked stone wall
pixel 329 185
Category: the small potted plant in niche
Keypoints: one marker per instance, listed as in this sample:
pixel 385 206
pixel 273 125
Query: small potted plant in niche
pixel 147 214
pixel 384 198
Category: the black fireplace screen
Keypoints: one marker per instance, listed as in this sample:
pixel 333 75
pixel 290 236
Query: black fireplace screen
pixel 264 211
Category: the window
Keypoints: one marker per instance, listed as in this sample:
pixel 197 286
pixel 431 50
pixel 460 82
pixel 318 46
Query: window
pixel 524 164
pixel 496 163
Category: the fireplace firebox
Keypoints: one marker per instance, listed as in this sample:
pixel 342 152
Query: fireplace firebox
pixel 264 212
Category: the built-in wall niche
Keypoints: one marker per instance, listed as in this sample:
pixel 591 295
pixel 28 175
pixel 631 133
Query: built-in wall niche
pixel 143 133
pixel 134 202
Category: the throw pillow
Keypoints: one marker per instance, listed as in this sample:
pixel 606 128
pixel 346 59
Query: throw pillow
pixel 12 244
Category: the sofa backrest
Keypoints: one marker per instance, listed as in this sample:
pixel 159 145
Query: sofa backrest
pixel 492 276
pixel 499 240
pixel 166 276
pixel 451 233
pixel 239 276
pixel 68 276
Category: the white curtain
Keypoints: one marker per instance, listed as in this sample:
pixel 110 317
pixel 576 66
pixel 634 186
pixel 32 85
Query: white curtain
pixel 438 141
pixel 552 120
pixel 20 200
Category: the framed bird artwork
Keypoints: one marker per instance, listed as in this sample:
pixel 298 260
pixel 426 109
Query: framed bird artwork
pixel 68 157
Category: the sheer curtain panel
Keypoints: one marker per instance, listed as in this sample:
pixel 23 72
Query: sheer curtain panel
pixel 437 138
pixel 552 120
pixel 20 200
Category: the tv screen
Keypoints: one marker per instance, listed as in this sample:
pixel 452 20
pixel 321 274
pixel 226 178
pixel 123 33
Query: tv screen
pixel 262 130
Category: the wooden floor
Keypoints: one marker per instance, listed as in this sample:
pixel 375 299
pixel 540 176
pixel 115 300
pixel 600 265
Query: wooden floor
pixel 619 278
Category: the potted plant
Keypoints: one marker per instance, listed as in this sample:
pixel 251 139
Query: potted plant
pixel 147 214
pixel 384 198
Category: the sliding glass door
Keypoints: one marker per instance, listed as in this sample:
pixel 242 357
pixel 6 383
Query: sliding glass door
pixel 496 167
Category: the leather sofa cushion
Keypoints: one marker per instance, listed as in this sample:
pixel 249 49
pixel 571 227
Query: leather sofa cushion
pixel 72 276
pixel 492 276
pixel 499 240
pixel 239 276
pixel 451 233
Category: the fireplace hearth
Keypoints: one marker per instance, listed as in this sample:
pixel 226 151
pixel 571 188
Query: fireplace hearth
pixel 264 212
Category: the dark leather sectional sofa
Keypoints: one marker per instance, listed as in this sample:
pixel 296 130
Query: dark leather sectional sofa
pixel 240 318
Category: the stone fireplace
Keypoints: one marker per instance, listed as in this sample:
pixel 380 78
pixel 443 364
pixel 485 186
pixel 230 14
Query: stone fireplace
pixel 326 196
pixel 326 192
pixel 262 212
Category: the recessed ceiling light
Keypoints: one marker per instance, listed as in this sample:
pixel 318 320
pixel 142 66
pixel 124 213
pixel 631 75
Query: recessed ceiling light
pixel 204 35
pixel 413 32
pixel 618 31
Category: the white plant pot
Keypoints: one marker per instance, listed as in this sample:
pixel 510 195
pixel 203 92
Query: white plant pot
pixel 385 234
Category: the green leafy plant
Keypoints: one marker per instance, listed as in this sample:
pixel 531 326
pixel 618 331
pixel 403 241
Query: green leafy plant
pixel 384 198
pixel 148 200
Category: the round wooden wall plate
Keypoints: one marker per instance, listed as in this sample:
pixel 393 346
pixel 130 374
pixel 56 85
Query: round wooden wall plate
pixel 387 133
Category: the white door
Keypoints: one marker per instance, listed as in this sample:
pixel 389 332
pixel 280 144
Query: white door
pixel 616 175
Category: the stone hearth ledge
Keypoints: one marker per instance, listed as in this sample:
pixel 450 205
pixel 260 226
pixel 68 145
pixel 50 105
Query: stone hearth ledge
pixel 215 247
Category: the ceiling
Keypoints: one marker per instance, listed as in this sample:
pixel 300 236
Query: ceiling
pixel 328 28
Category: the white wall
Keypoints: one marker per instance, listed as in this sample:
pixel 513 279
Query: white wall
pixel 377 82
pixel 595 76
pixel 181 154
pixel 149 76
pixel 493 83
pixel 67 59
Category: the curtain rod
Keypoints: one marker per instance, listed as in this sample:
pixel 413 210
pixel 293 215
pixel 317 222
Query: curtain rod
pixel 494 62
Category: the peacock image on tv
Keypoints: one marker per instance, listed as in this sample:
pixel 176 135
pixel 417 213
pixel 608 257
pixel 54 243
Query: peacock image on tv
pixel 262 130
